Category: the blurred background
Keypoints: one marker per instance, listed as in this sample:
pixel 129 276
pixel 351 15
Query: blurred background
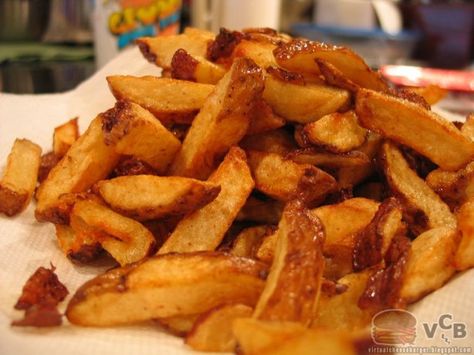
pixel 52 45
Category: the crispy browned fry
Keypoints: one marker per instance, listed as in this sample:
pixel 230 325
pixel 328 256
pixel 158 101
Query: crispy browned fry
pixel 247 242
pixel 223 45
pixel 454 187
pixel 194 68
pixel 134 131
pixel 335 77
pixel 299 55
pixel 256 337
pixel 322 158
pixel 430 263
pixel 260 52
pixel 205 228
pixel 213 330
pixel 48 161
pixel 468 127
pixel 284 179
pixel 256 210
pixel 83 248
pixel 424 209
pixel 146 197
pixel 222 122
pixel 19 178
pixel 431 93
pixel 337 132
pixel 160 50
pixel 464 257
pixel 64 136
pixel 133 166
pixel 294 283
pixel 167 286
pixel 124 238
pixel 303 103
pixel 87 161
pixel 410 124
pixel 278 141
pixel 170 100
pixel 263 119
pixel 179 325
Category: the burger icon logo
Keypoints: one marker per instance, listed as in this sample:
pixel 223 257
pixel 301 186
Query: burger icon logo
pixel 394 327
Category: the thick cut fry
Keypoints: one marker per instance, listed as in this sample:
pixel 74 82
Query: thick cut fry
pixel 247 242
pixel 87 161
pixel 468 127
pixel 64 136
pixel 303 103
pixel 19 179
pixel 293 285
pixel 134 131
pixel 205 228
pixel 263 119
pixel 222 122
pixel 170 100
pixel 335 77
pixel 257 210
pixel 166 286
pixel 430 263
pixel 213 330
pixel 284 179
pixel 337 132
pixel 146 197
pixel 83 248
pixel 414 193
pixel 124 238
pixel 465 254
pixel 431 93
pixel 194 68
pixel 260 52
pixel 278 141
pixel 322 158
pixel 410 124
pixel 299 56
pixel 256 337
pixel 160 50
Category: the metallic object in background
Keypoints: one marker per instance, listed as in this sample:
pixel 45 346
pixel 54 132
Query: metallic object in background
pixel 23 20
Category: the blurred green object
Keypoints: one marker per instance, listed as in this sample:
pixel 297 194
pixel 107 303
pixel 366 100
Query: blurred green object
pixel 31 51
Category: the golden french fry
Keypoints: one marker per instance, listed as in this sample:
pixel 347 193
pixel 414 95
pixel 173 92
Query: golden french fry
pixel 147 197
pixel 169 100
pixel 83 248
pixel 64 136
pixel 337 132
pixel 414 193
pixel 166 286
pixel 284 179
pixel 464 257
pixel 222 122
pixel 303 103
pixel 124 238
pixel 205 228
pixel 260 52
pixel 299 55
pixel 290 295
pixel 322 158
pixel 193 68
pixel 277 141
pixel 213 330
pixel 247 242
pixel 468 127
pixel 412 125
pixel 87 161
pixel 263 119
pixel 335 77
pixel 431 93
pixel 19 178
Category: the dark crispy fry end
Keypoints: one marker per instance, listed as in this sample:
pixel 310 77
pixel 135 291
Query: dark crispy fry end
pixel 12 202
pixel 410 96
pixel 48 161
pixel 146 52
pixel 86 253
pixel 335 77
pixel 40 315
pixel 133 166
pixel 183 66
pixel 224 44
pixel 422 165
pixel 286 76
pixel 301 137
pixel 112 117
pixel 314 186
pixel 368 247
pixel 384 285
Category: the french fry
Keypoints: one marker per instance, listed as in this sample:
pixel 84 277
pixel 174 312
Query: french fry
pixel 431 93
pixel 247 242
pixel 299 56
pixel 335 77
pixel 278 141
pixel 205 228
pixel 134 131
pixel 464 257
pixel 87 161
pixel 430 263
pixel 64 136
pixel 19 178
pixel 468 127
pixel 260 52
pixel 402 121
pixel 169 100
pixel 147 197
pixel 221 123
pixel 124 238
pixel 322 158
pixel 179 325
pixel 290 295
pixel 285 180
pixel 194 68
pixel 213 330
pixel 257 210
pixel 160 50
pixel 414 193
pixel 263 119
pixel 303 103
pixel 82 249
pixel 166 286
pixel 337 132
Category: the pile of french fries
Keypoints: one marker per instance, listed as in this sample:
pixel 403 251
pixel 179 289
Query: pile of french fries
pixel 266 194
